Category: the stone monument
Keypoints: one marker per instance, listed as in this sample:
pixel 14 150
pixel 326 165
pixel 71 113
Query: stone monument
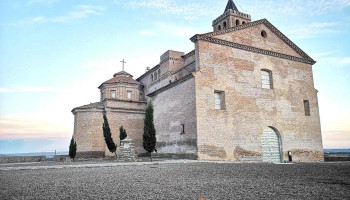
pixel 126 152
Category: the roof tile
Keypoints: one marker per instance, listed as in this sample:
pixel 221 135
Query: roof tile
pixel 122 77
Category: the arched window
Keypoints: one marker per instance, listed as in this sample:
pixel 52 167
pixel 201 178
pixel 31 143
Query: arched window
pixel 243 22
pixel 225 25
pixel 266 79
pixel 237 22
pixel 155 76
pixel 219 27
pixel 152 78
pixel 159 73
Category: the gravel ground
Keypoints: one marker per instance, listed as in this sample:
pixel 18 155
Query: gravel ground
pixel 182 181
pixel 50 163
pixel 76 162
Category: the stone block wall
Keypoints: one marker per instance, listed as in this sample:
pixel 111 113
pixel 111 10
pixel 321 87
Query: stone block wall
pixel 174 109
pixel 21 159
pixel 61 158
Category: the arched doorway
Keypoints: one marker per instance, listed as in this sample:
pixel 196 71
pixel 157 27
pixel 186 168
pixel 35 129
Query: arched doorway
pixel 271 145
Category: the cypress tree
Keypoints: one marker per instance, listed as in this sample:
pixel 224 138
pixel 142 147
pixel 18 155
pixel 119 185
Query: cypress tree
pixel 72 149
pixel 149 132
pixel 122 133
pixel 108 136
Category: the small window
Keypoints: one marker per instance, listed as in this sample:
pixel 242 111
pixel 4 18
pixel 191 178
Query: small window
pixel 141 96
pixel 219 100
pixel 129 94
pixel 159 73
pixel 113 94
pixel 307 107
pixel 237 22
pixel 152 79
pixel 225 25
pixel 219 27
pixel 263 34
pixel 266 79
pixel 182 129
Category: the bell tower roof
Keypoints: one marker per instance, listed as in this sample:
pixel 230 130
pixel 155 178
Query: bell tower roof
pixel 231 5
pixel 230 18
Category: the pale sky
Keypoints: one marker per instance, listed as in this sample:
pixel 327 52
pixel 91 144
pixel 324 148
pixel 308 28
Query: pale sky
pixel 55 53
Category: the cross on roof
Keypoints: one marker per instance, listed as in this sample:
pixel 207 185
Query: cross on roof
pixel 123 61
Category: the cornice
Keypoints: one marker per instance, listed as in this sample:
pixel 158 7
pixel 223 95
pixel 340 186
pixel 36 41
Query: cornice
pixel 189 54
pixel 87 109
pixel 183 67
pixel 120 109
pixel 118 83
pixel 169 58
pixel 254 49
pixel 102 108
pixel 109 109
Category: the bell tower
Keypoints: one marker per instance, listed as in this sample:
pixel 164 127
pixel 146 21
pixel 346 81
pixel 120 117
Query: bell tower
pixel 231 18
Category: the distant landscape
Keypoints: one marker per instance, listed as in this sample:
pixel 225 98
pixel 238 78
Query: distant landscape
pixel 52 153
pixel 47 154
pixel 335 155
pixel 336 151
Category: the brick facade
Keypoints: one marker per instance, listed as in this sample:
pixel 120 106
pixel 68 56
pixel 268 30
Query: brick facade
pixel 235 133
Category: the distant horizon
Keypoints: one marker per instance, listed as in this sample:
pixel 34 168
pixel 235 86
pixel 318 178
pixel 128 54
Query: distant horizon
pixel 24 153
pixel 66 151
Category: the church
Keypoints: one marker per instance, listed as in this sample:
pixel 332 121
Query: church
pixel 245 93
